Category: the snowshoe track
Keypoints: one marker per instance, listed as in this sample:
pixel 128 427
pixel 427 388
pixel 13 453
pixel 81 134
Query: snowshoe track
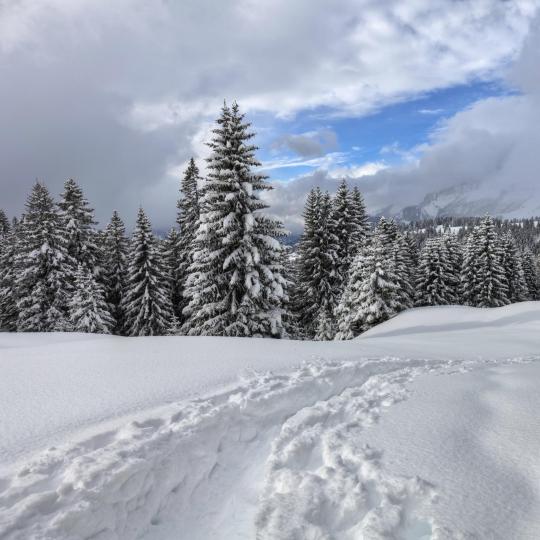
pixel 279 453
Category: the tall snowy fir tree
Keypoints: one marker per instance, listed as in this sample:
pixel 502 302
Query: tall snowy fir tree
pixel 146 303
pixel 436 280
pixel 483 279
pixel 44 270
pixel 344 229
pixel 5 226
pixel 349 320
pixel 317 287
pixel 530 273
pixel 513 270
pixel 114 256
pixel 88 309
pixel 170 258
pixel 372 295
pixel 188 223
pixel 78 227
pixel 235 285
pixel 359 217
pixel 8 302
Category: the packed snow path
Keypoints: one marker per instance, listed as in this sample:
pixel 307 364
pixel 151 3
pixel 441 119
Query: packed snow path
pixel 272 456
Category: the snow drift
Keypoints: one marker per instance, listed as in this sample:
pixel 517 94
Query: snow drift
pixel 192 438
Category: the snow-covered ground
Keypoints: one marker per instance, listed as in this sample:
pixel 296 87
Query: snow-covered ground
pixel 425 427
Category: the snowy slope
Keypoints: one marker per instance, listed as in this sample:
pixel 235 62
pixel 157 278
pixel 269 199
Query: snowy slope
pixel 193 438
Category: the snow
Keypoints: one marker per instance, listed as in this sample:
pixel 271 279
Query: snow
pixel 424 427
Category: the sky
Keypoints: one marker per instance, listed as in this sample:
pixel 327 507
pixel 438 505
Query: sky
pixel 402 98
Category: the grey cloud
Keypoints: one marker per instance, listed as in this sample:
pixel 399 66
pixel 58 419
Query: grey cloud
pixel 76 75
pixel 309 145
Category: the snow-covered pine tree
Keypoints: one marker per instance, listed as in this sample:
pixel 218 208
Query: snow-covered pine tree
pixel 530 273
pixel 171 258
pixel 436 281
pixel 455 256
pixel 344 229
pixel 376 297
pixel 8 303
pixel 5 226
pixel 114 256
pixel 483 281
pixel 78 227
pixel 188 223
pixel 305 296
pixel 325 327
pixel 147 299
pixel 347 313
pixel 44 270
pixel 405 271
pixel 360 221
pixel 88 309
pixel 513 270
pixel 235 285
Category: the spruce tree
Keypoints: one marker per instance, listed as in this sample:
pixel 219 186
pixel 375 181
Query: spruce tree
pixel 326 329
pixel 344 229
pixel 317 285
pixel 88 309
pixel 405 271
pixel 115 248
pixel 360 222
pixel 436 281
pixel 513 270
pixel 78 227
pixel 235 285
pixel 349 320
pixel 483 278
pixel 171 259
pixel 373 296
pixel 8 302
pixel 188 223
pixel 5 226
pixel 147 299
pixel 530 273
pixel 43 267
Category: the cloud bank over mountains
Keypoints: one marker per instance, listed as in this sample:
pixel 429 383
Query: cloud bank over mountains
pixel 119 95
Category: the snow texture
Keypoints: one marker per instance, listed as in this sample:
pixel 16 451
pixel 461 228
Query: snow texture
pixel 175 437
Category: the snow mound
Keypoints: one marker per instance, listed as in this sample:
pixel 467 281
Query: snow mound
pixel 173 438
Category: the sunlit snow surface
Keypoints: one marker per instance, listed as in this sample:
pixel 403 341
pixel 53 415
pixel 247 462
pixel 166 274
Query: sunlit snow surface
pixel 426 427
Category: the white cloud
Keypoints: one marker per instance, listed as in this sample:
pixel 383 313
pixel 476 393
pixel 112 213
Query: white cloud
pixel 118 93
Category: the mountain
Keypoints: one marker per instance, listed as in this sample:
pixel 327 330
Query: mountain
pixel 475 199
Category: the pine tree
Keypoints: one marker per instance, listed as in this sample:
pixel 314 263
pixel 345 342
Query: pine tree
pixel 317 283
pixel 5 226
pixel 325 327
pixel 530 273
pixel 147 299
pixel 8 303
pixel 372 293
pixel 360 222
pixel 235 285
pixel 171 259
pixel 188 223
pixel 115 247
pixel 344 229
pixel 405 271
pixel 88 310
pixel 483 279
pixel 436 281
pixel 44 268
pixel 513 270
pixel 78 227
pixel 349 320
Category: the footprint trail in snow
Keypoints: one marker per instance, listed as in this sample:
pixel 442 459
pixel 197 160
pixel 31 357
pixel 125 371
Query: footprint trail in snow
pixel 278 457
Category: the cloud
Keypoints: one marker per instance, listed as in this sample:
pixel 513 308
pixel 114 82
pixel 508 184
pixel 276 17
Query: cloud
pixel 117 94
pixel 308 145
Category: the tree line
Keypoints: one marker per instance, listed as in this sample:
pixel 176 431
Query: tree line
pixel 223 269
